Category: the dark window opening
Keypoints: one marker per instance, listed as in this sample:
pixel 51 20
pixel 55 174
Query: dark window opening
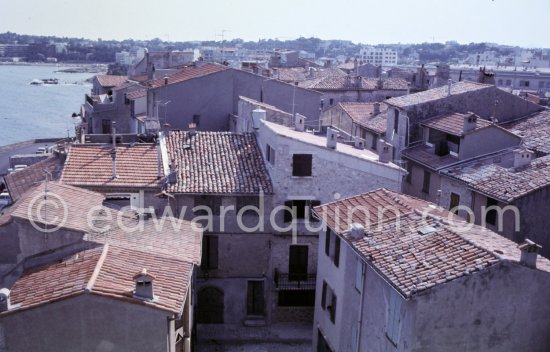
pixel 270 154
pixel 426 183
pixel 209 252
pixel 301 209
pixel 106 126
pixel 324 295
pixel 491 215
pixel 327 242
pixel 336 251
pixel 301 165
pixel 255 303
pixel 455 201
pixel 297 263
pixel 332 308
pixel 409 173
pixel 395 120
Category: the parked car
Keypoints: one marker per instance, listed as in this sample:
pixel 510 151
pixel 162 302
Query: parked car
pixel 5 198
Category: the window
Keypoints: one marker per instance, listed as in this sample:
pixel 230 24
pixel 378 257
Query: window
pixel 541 84
pixel 301 165
pixel 393 317
pixel 374 142
pixel 524 83
pixel 243 201
pixel 126 100
pixel 332 308
pixel 324 295
pixel 508 82
pixel 209 252
pixel 327 242
pixel 455 201
pixel 331 101
pixel 395 120
pixel 197 120
pixel 211 202
pixel 297 263
pixel 270 154
pixel 336 258
pixel 106 126
pixel 301 209
pixel 491 215
pixel 255 304
pixel 426 183
pixel 359 272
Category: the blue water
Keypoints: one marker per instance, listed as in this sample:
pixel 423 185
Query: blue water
pixel 28 112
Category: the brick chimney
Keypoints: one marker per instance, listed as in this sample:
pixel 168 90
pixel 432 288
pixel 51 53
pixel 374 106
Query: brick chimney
pixel 144 285
pixel 522 157
pixel 529 253
pixel 470 122
pixel 4 300
pixel 192 129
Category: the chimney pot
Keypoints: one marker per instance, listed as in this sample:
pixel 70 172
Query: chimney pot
pixel 529 253
pixel 356 231
pixel 257 115
pixel 450 83
pixel 376 108
pixel 470 122
pixel 385 151
pixel 332 136
pixel 300 123
pixel 192 129
pixel 522 157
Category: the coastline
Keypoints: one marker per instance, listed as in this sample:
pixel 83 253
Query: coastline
pixel 65 67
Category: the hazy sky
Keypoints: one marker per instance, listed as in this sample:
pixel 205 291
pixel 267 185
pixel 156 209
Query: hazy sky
pixel 516 22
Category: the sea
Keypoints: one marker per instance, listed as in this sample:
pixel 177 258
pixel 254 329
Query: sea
pixel 39 111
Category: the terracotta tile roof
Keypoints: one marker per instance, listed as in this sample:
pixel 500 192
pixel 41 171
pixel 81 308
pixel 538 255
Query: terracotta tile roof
pixel 187 73
pixel 415 254
pixel 437 93
pixel 362 114
pixel 140 93
pixel 453 123
pixel 113 277
pixel 426 156
pixel 21 181
pixel 167 236
pixel 109 81
pixel 217 162
pixel 350 83
pixel 496 177
pixel 535 131
pixel 90 165
pixel 290 74
pixel 77 201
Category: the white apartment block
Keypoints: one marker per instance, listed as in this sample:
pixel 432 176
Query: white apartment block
pixel 379 55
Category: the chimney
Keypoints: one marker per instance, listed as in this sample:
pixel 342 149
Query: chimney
pixel 379 84
pixel 332 136
pixel 257 115
pixel 192 129
pixel 385 151
pixel 356 231
pixel 144 285
pixel 470 122
pixel 358 142
pixel 165 79
pixel 450 83
pixel 529 253
pixel 150 71
pixel 4 300
pixel 358 81
pixel 376 109
pixel 522 157
pixel 300 123
pixel 355 67
pixel 113 150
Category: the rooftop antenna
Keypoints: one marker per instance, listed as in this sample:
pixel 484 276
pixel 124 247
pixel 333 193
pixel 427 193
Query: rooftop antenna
pixel 48 178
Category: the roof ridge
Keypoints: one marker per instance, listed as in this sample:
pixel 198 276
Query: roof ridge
pixel 97 268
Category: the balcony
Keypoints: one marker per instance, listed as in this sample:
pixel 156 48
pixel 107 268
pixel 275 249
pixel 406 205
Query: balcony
pixel 294 281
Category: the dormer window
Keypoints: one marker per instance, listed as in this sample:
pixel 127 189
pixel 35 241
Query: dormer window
pixel 144 285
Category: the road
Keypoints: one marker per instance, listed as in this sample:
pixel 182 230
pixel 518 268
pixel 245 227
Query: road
pixel 28 147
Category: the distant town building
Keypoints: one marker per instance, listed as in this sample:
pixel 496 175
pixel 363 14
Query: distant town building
pixel 379 55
